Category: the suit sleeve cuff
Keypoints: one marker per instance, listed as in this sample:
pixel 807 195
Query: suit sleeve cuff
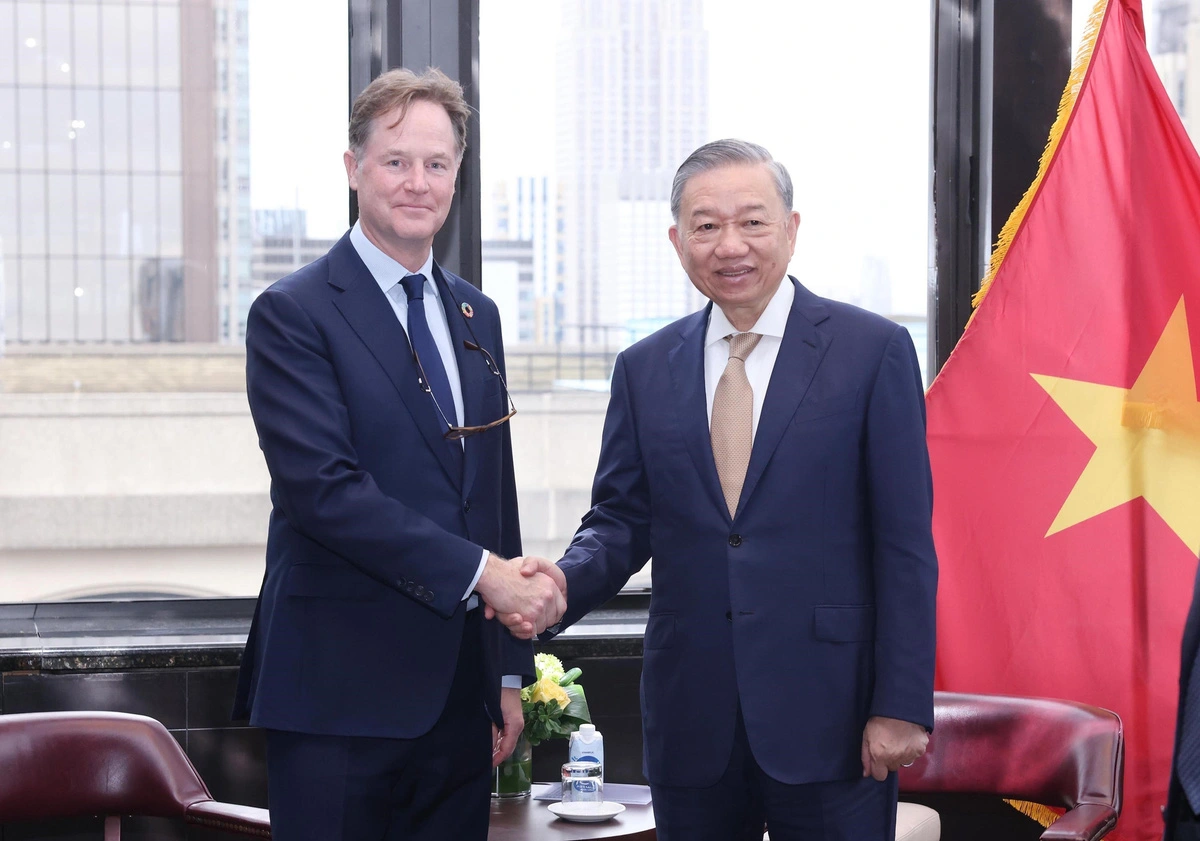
pixel 510 682
pixel 478 575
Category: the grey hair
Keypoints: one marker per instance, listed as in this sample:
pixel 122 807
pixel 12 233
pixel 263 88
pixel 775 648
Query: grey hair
pixel 727 152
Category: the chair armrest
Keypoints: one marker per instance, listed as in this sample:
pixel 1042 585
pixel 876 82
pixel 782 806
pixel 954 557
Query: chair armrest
pixel 245 820
pixel 1086 822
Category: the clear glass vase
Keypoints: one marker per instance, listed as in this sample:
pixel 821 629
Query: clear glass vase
pixel 514 776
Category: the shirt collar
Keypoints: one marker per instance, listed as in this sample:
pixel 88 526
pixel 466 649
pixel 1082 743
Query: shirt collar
pixel 771 323
pixel 386 271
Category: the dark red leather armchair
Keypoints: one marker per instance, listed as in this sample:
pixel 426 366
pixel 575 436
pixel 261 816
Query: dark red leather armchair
pixel 1057 753
pixel 78 764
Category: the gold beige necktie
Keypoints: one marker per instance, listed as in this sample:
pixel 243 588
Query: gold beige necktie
pixel 732 427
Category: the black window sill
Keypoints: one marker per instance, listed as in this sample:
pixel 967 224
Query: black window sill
pixel 192 633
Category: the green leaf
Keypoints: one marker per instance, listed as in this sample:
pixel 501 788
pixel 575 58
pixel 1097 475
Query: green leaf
pixel 546 720
pixel 577 709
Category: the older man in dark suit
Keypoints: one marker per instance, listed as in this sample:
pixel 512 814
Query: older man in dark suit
pixel 769 453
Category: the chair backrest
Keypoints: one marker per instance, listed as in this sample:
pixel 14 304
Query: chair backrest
pixel 74 764
pixel 1058 753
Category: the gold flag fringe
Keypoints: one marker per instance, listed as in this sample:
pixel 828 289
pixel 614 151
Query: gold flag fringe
pixel 1044 815
pixel 1066 105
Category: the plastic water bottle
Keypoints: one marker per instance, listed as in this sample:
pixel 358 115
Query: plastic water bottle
pixel 587 745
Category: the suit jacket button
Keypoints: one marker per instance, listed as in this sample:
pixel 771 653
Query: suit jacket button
pixel 428 595
pixel 735 540
pixel 420 591
pixel 466 505
pixel 729 615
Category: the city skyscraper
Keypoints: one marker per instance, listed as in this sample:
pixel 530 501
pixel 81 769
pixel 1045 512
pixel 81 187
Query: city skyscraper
pixel 118 166
pixel 1176 53
pixel 632 104
pixel 281 246
pixel 232 103
pixel 508 277
pixel 530 209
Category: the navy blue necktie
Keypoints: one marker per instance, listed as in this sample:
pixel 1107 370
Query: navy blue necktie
pixel 1187 762
pixel 427 350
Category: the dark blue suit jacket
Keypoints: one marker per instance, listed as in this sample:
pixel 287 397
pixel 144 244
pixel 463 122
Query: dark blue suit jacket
pixel 374 536
pixel 814 608
pixel 1178 811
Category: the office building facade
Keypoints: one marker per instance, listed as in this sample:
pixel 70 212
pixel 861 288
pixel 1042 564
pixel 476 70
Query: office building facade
pixel 124 163
pixel 632 104
pixel 530 209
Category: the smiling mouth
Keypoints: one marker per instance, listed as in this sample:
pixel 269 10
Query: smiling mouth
pixel 735 273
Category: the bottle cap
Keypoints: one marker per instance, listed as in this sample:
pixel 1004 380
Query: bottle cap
pixel 587 731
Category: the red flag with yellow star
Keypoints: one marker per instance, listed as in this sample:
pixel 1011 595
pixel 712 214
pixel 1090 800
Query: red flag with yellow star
pixel 1064 430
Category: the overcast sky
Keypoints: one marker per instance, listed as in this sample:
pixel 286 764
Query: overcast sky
pixel 842 99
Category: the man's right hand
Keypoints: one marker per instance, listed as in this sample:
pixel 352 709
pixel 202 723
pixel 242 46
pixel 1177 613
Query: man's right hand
pixel 531 565
pixel 529 602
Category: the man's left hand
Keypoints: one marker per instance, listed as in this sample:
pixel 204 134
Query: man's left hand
pixel 889 743
pixel 503 741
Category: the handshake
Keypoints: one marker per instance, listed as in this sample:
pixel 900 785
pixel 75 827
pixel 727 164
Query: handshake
pixel 527 594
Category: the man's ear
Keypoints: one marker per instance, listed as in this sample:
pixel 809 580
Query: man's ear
pixel 351 168
pixel 793 225
pixel 673 235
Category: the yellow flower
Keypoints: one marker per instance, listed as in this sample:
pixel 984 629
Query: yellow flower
pixel 547 690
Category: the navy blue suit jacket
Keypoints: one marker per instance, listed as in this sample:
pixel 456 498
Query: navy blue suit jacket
pixel 1178 810
pixel 813 608
pixel 374 536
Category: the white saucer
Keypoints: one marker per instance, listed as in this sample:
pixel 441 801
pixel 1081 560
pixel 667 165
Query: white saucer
pixel 586 812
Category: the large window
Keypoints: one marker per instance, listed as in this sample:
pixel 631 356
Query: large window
pixel 1173 37
pixel 586 111
pixel 161 162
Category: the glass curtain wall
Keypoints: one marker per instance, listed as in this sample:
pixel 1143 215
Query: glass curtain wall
pixel 161 162
pixel 587 109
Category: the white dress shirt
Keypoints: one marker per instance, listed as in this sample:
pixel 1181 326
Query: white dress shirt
pixel 761 361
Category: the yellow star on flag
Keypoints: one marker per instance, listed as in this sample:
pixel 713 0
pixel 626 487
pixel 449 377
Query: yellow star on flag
pixel 1147 438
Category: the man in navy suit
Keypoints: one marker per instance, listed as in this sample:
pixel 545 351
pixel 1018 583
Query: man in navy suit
pixel 376 382
pixel 769 453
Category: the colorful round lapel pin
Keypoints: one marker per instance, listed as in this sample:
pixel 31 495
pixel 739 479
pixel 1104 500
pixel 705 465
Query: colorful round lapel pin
pixel 467 310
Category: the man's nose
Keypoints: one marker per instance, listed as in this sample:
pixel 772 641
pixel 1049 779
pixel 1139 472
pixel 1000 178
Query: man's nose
pixel 730 242
pixel 416 181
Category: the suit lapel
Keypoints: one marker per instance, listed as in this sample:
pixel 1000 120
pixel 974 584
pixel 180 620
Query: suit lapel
pixel 468 362
pixel 686 364
pixel 800 353
pixel 370 314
